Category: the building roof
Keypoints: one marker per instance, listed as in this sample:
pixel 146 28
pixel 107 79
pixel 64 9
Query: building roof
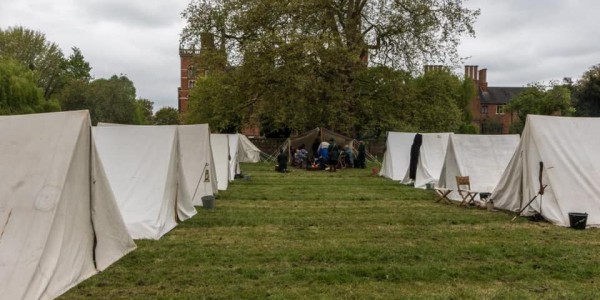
pixel 499 95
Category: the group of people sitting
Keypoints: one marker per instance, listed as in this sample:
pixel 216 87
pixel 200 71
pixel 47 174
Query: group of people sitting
pixel 325 156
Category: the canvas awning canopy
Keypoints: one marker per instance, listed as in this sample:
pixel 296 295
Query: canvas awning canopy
pixel 481 157
pixel 58 217
pixel 323 134
pixel 146 175
pixel 308 138
pixel 568 148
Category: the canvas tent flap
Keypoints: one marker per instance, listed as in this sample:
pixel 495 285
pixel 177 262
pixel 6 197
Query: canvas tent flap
pixel 396 158
pixel 197 161
pixel 234 163
pixel 481 157
pixel 220 150
pixel 46 218
pixel 113 241
pixel 247 151
pixel 568 148
pixel 142 164
pixel 431 159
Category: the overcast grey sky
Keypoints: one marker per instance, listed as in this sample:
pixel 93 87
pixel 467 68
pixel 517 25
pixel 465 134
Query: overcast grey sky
pixel 518 41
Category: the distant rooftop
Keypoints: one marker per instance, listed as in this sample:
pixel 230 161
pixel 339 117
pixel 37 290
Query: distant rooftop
pixel 499 95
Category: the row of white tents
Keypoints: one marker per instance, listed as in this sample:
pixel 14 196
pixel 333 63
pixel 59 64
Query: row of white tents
pixel 75 196
pixel 564 150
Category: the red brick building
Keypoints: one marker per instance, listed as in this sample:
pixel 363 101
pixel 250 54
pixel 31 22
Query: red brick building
pixel 194 63
pixel 489 105
pixel 188 74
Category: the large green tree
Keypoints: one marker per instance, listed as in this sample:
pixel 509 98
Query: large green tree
pixel 586 93
pixel 145 109
pixel 113 101
pixel 42 57
pixel 166 116
pixel 74 91
pixel 18 92
pixel 540 100
pixel 297 61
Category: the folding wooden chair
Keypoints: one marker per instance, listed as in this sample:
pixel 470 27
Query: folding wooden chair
pixel 442 195
pixel 463 185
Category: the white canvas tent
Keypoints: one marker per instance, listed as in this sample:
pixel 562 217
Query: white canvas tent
pixel 396 158
pixel 569 150
pixel 58 217
pixel 431 159
pixel 197 160
pixel 234 163
pixel 145 173
pixel 220 149
pixel 247 151
pixel 481 157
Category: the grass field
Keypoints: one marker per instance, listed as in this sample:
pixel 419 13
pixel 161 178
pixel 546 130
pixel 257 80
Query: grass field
pixel 350 235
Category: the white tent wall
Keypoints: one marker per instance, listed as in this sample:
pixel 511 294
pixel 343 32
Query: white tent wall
pixel 481 157
pixel 247 151
pixel 234 163
pixel 143 166
pixel 220 150
pixel 396 159
pixel 112 238
pixel 568 148
pixel 47 220
pixel 197 159
pixel 431 159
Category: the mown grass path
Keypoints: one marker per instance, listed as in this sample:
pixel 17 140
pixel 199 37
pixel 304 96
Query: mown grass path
pixel 350 235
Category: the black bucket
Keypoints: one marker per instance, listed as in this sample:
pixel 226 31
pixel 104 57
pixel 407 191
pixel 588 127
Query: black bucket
pixel 578 220
pixel 208 202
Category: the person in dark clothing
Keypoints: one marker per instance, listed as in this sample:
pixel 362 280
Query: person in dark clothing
pixel 360 158
pixel 282 160
pixel 334 154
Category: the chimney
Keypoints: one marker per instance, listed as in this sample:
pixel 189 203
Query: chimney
pixel 471 72
pixel 483 79
pixel 436 68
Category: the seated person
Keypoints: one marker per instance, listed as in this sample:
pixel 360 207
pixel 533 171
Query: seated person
pixel 282 160
pixel 301 156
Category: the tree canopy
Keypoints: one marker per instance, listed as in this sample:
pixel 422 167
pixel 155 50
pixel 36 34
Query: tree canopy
pixel 166 116
pixel 301 64
pixel 32 50
pixel 586 93
pixel 540 100
pixel 18 91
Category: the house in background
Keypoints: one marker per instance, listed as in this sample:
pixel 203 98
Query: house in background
pixel 198 62
pixel 489 105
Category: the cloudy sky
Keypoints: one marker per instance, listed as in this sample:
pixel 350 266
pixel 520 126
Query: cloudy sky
pixel 518 41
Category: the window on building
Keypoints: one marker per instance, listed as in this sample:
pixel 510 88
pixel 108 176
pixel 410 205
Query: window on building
pixel 191 71
pixel 484 109
pixel 191 84
pixel 500 109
